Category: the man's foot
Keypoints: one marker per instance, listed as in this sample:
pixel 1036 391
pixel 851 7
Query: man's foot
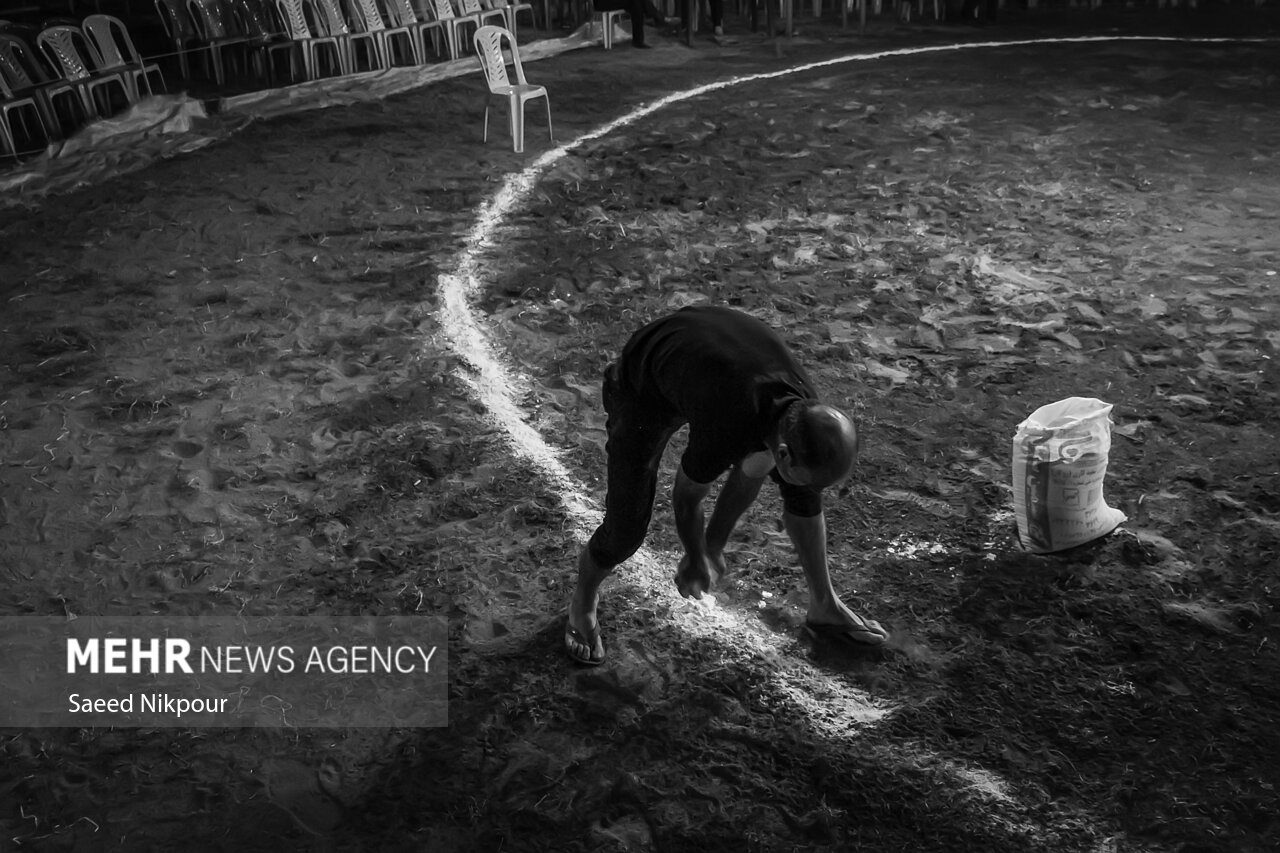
pixel 718 30
pixel 641 46
pixel 585 647
pixel 858 633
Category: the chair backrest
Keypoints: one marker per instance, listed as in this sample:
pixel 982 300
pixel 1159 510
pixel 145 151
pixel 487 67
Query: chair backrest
pixel 366 13
pixel 443 10
pixel 401 13
pixel 176 21
pixel 110 38
pixel 294 16
pixel 68 49
pixel 254 18
pixel 330 17
pixel 488 41
pixel 211 19
pixel 470 7
pixel 18 65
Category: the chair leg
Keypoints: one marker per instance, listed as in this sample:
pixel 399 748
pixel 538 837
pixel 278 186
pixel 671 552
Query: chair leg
pixel 44 128
pixel 48 112
pixel 215 62
pixel 517 124
pixel 606 28
pixel 164 87
pixel 6 136
pixel 87 104
pixel 551 137
pixel 486 120
pixel 19 109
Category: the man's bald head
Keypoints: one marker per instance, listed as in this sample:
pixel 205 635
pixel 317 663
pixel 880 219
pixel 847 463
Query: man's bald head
pixel 821 439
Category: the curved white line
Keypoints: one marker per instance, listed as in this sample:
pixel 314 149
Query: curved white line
pixel 831 705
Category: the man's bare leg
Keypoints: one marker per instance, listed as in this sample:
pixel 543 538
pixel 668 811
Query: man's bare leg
pixel 582 637
pixel 737 496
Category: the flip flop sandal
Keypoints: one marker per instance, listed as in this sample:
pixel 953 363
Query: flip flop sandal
pixel 573 635
pixel 849 636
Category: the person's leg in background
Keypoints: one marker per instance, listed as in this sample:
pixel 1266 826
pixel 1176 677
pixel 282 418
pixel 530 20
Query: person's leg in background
pixel 634 8
pixel 655 14
pixel 637 12
pixel 716 8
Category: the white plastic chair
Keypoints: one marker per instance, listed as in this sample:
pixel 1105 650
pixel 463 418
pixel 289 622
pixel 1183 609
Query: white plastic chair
pixel 110 37
pixel 215 31
pixel 607 21
pixel 181 32
pixel 259 22
pixel 402 14
pixel 67 48
pixel 510 10
pixel 386 38
pixel 452 23
pixel 329 16
pixel 488 43
pixel 9 104
pixel 22 71
pixel 473 8
pixel 294 16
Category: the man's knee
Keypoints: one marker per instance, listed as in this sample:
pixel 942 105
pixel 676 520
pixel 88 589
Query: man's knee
pixel 610 550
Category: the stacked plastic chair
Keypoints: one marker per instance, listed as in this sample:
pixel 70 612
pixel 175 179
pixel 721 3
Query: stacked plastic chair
pixel 386 39
pixel 313 47
pixel 59 101
pixel 181 33
pixel 329 13
pixel 402 14
pixel 510 10
pixel 67 49
pixel 110 39
pixel 216 30
pixel 257 18
pixel 453 24
pixel 474 9
pixel 24 108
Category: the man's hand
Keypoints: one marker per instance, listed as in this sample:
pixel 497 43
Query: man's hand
pixel 695 577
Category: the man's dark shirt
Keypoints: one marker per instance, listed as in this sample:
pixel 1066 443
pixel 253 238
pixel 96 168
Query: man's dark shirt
pixel 730 377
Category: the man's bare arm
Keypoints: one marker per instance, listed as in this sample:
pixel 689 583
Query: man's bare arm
pixel 686 504
pixel 739 493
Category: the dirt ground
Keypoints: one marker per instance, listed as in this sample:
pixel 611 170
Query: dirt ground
pixel 226 381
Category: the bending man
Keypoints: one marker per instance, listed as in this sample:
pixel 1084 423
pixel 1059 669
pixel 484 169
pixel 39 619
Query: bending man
pixel 751 411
